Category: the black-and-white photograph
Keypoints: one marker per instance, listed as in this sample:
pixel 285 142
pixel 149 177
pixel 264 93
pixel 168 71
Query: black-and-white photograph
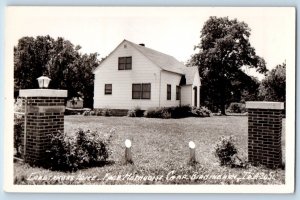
pixel 150 99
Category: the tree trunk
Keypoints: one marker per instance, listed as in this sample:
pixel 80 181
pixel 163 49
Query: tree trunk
pixel 88 103
pixel 223 100
pixel 223 107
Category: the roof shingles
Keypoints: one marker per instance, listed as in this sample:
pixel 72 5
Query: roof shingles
pixel 190 74
pixel 167 62
pixel 164 61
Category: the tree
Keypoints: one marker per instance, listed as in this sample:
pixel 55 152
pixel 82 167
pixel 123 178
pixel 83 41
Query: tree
pixel 247 90
pixel 30 57
pixel 251 92
pixel 223 50
pixel 61 66
pixel 60 60
pixel 273 86
pixel 85 77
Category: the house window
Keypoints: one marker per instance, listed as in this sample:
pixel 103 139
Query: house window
pixel 141 91
pixel 168 92
pixel 108 89
pixel 177 92
pixel 125 63
pixel 136 91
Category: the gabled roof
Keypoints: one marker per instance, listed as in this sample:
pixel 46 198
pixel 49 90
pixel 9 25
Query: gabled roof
pixel 164 61
pixel 190 74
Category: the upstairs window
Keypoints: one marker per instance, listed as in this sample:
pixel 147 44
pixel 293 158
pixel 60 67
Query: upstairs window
pixel 108 89
pixel 141 91
pixel 168 92
pixel 178 93
pixel 125 63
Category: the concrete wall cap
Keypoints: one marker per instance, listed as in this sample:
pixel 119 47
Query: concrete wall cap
pixel 264 105
pixel 43 93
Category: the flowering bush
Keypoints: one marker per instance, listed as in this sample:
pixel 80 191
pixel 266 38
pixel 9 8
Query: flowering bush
pixel 79 150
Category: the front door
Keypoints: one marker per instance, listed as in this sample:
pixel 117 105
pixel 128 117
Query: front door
pixel 195 96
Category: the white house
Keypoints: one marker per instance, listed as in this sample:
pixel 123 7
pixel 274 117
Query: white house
pixel 134 75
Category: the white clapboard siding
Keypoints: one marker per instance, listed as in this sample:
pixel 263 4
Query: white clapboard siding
pixel 187 92
pixel 143 71
pixel 186 95
pixel 173 79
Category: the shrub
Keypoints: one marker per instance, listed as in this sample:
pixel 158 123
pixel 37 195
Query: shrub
pixel 69 111
pixel 181 111
pixel 18 126
pixel 166 113
pixel 225 150
pixel 76 111
pixel 153 113
pixel 162 112
pixel 18 131
pixel 80 150
pixel 201 112
pixel 90 148
pixel 131 113
pixel 135 112
pixel 106 112
pixel 236 108
pixel 86 113
pixel 98 112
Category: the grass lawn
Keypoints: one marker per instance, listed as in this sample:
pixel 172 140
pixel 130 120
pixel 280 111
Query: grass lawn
pixel 160 153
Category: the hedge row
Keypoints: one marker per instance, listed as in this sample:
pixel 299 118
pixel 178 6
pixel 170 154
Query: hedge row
pixel 170 112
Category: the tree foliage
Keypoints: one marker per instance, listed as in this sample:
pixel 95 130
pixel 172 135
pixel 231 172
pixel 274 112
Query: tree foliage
pixel 273 86
pixel 60 60
pixel 224 49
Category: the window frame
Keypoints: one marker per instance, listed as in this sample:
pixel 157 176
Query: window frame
pixel 178 92
pixel 107 89
pixel 169 92
pixel 141 91
pixel 136 91
pixel 125 62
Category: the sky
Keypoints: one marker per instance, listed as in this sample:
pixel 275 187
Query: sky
pixel 174 31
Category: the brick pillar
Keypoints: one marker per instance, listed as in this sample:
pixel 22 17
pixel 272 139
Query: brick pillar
pixel 264 133
pixel 45 115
